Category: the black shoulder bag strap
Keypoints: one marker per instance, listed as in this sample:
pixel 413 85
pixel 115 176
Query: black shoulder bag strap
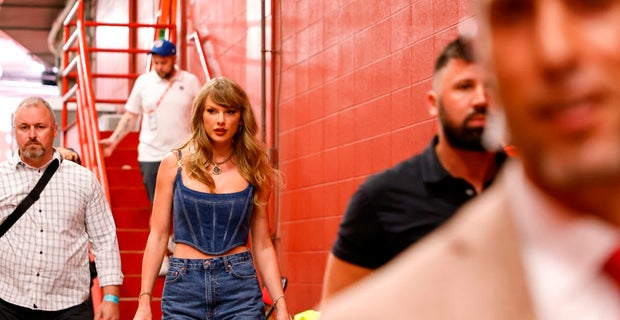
pixel 31 198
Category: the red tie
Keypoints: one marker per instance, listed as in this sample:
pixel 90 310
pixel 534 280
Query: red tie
pixel 612 266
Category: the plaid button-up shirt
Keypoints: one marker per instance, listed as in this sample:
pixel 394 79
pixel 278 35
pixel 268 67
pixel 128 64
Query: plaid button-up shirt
pixel 44 263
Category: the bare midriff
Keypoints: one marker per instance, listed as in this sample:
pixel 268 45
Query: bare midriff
pixel 184 251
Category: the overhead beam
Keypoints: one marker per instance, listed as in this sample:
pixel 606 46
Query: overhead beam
pixel 29 22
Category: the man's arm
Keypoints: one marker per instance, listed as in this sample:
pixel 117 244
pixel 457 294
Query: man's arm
pixel 127 122
pixel 340 274
pixel 109 309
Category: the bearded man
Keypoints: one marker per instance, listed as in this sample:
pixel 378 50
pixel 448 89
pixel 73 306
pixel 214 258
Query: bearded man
pixel 396 208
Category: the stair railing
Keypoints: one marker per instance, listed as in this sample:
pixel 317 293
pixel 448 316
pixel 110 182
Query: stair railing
pixel 195 36
pixel 86 113
pixel 76 67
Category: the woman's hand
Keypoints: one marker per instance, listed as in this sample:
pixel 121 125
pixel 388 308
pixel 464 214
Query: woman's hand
pixel 143 313
pixel 282 311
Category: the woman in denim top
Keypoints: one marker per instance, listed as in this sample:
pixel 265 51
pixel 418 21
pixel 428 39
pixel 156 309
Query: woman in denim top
pixel 214 191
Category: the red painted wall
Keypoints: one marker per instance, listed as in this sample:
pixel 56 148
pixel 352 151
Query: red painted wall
pixel 354 81
pixel 347 81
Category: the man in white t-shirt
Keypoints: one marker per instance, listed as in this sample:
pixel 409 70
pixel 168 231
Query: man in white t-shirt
pixel 163 97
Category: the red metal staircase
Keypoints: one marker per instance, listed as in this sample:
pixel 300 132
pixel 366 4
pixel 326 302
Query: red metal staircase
pixel 119 174
pixel 131 209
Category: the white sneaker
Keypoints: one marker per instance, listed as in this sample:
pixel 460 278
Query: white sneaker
pixel 165 264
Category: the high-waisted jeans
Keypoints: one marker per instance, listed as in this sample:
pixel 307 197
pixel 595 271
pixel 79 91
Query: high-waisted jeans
pixel 219 288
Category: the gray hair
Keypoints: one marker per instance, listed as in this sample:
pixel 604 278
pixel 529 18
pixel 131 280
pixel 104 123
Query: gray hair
pixel 36 101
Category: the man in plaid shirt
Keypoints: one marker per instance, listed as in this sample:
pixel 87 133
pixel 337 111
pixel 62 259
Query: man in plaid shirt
pixel 45 270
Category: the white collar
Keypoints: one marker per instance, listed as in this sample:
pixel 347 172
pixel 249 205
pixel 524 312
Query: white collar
pixel 563 250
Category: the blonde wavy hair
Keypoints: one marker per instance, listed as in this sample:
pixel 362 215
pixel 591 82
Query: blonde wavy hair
pixel 248 150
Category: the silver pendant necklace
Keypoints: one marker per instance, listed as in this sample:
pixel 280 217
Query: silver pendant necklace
pixel 216 165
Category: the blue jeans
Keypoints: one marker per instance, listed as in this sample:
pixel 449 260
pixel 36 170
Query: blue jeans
pixel 218 288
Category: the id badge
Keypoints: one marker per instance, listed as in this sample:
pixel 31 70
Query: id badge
pixel 151 118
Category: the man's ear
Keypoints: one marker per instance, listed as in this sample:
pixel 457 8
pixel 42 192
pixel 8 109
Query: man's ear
pixel 433 100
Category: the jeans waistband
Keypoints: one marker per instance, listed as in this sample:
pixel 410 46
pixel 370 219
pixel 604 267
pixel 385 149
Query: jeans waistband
pixel 200 264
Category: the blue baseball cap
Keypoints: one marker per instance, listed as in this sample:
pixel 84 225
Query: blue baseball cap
pixel 163 48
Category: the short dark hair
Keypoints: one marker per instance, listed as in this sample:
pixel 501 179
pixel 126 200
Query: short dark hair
pixel 459 48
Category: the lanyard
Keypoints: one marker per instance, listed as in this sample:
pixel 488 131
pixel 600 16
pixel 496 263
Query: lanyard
pixel 160 98
pixel 164 94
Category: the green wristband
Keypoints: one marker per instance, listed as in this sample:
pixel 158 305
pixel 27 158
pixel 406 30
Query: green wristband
pixel 111 298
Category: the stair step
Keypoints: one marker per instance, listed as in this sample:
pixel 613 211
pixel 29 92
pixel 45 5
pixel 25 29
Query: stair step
pixel 128 197
pixel 123 158
pixel 126 153
pixel 124 175
pixel 132 239
pixel 132 218
pixel 132 210
pixel 129 142
pixel 131 262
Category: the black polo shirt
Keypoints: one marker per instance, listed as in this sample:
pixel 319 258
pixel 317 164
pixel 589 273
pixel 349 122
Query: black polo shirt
pixel 395 208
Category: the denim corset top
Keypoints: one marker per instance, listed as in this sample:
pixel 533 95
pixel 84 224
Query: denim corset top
pixel 211 223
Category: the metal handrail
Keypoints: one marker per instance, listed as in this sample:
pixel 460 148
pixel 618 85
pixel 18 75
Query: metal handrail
pixel 85 111
pixel 201 54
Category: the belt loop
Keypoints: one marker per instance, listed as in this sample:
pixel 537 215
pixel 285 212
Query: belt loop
pixel 184 267
pixel 226 262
